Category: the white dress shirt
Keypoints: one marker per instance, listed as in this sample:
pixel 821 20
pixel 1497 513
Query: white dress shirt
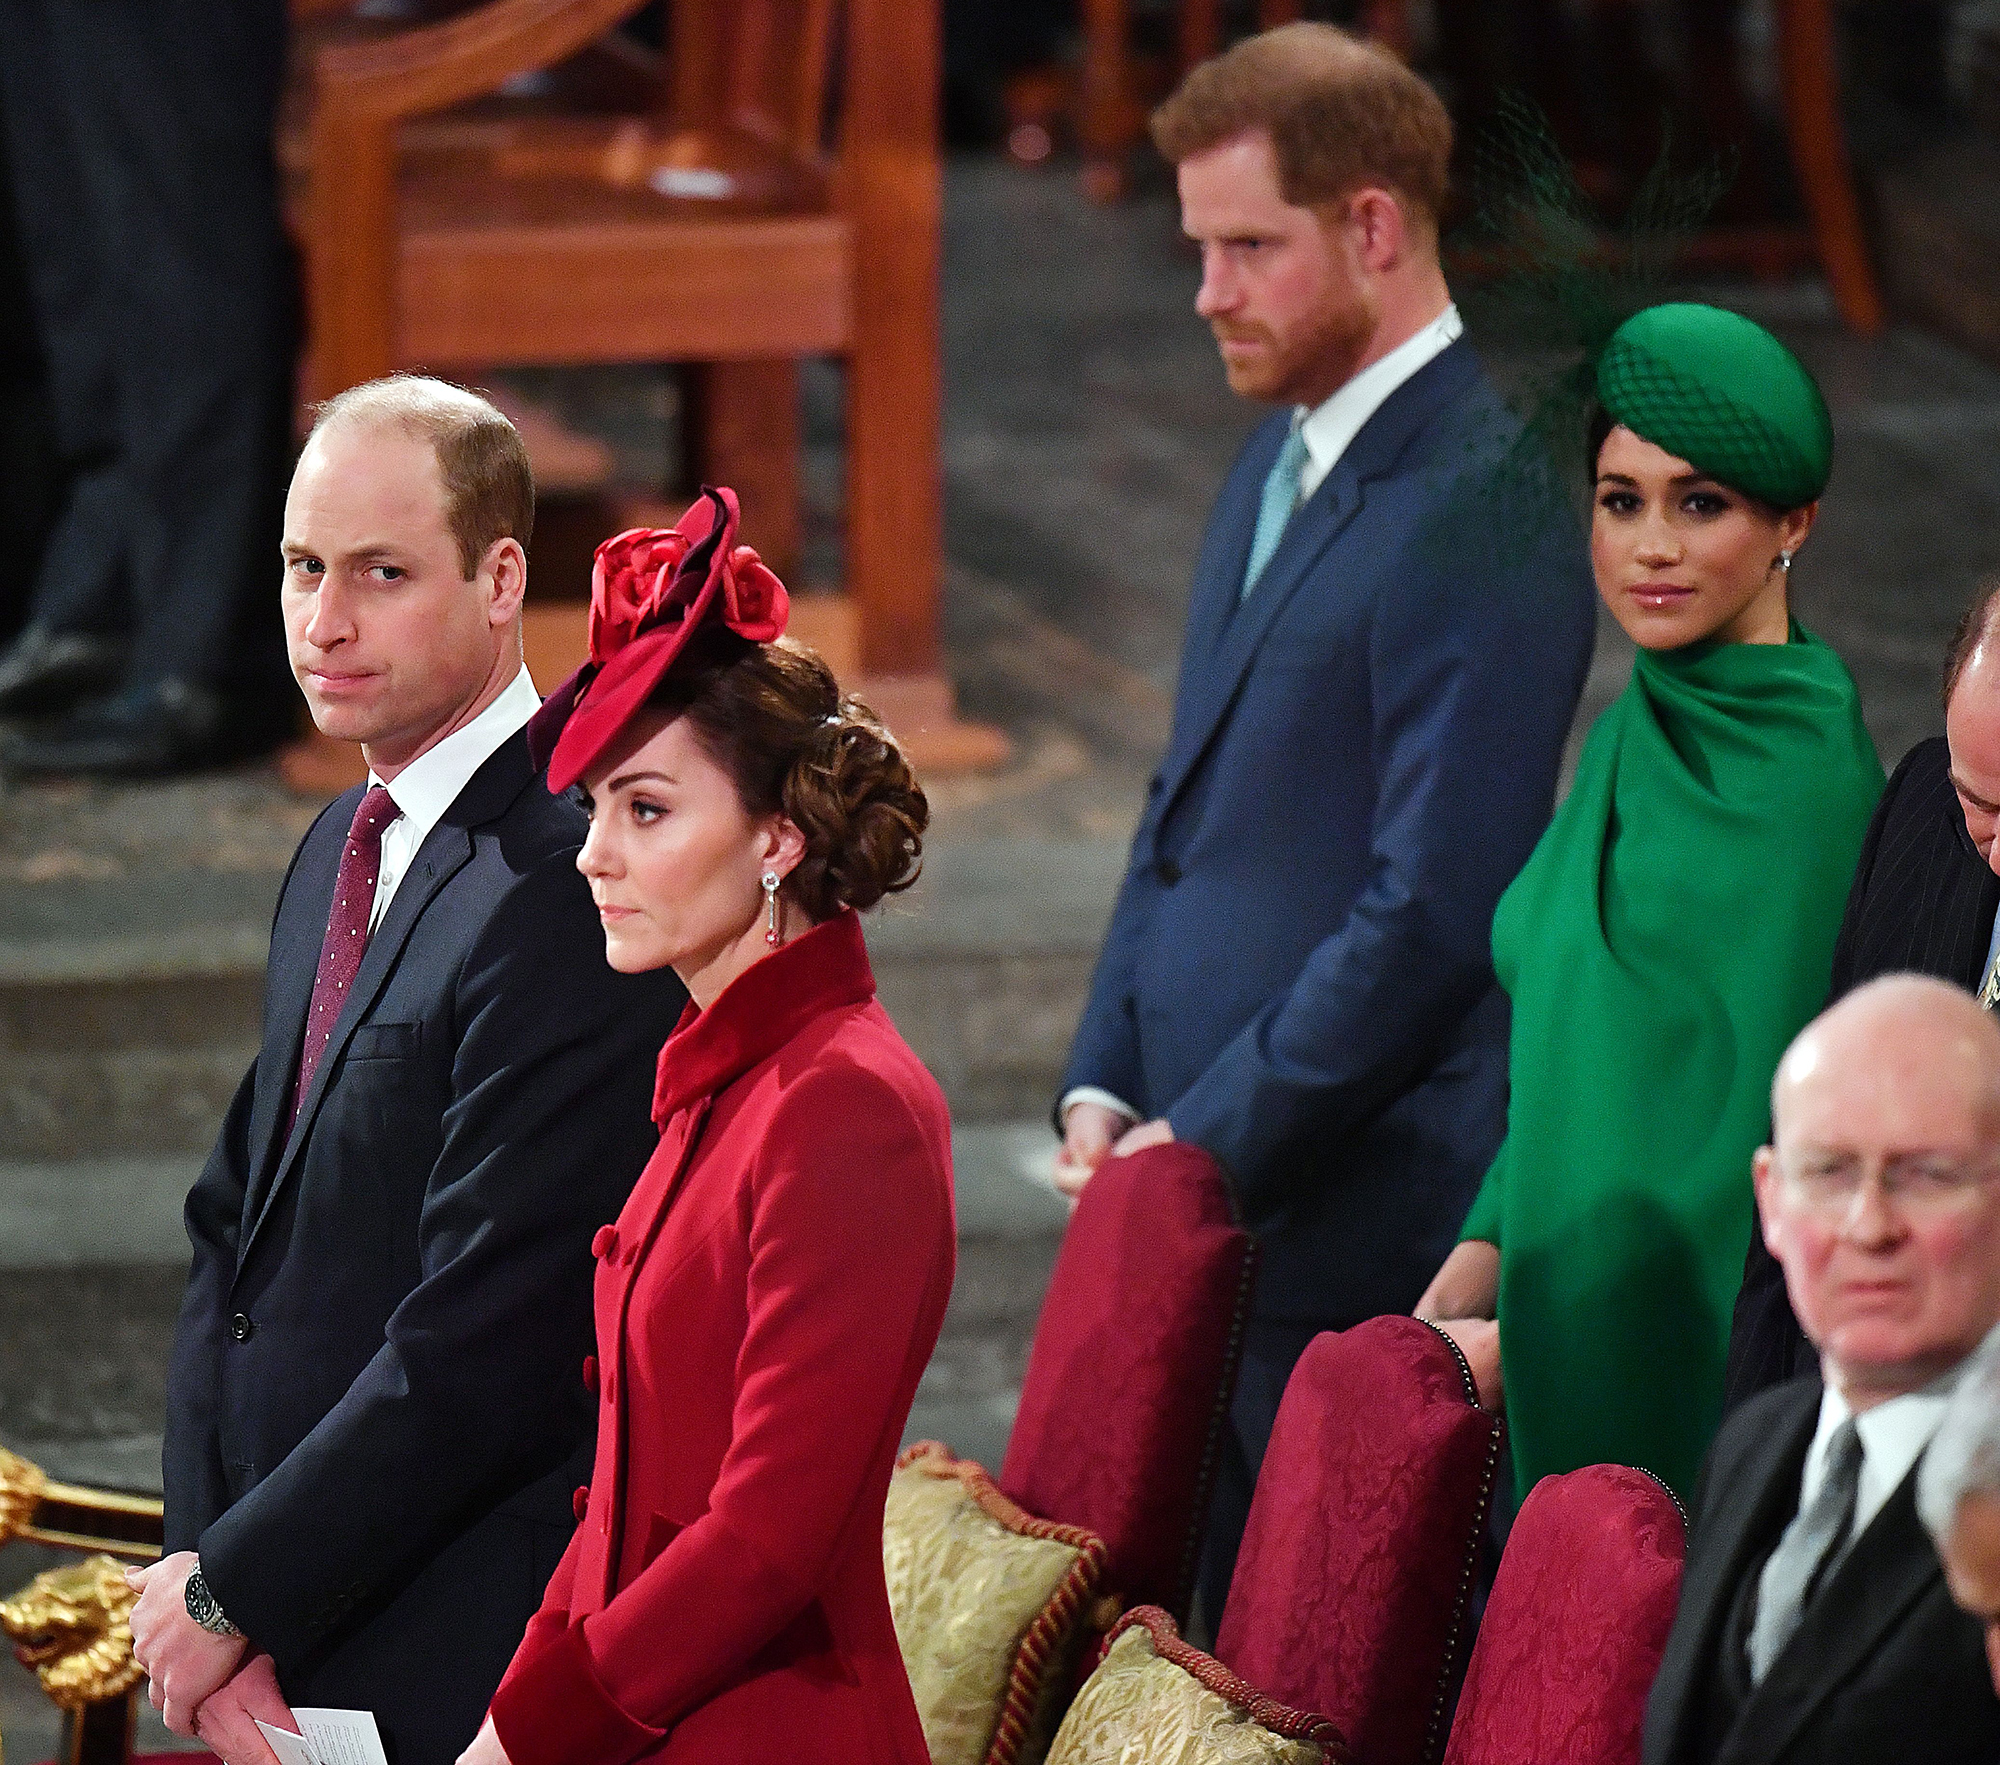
pixel 431 783
pixel 1893 1437
pixel 1328 430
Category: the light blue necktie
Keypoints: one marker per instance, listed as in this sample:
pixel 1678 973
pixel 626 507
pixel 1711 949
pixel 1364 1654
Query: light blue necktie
pixel 1281 496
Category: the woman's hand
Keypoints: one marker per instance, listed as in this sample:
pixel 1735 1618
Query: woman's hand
pixel 1468 1286
pixel 486 1748
pixel 1461 1301
pixel 1478 1340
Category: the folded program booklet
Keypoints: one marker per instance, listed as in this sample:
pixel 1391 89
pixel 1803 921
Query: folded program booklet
pixel 328 1737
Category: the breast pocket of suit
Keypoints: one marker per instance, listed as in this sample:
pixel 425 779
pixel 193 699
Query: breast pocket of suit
pixel 386 1041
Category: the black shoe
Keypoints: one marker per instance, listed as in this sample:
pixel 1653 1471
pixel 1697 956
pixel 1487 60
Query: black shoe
pixel 45 672
pixel 169 726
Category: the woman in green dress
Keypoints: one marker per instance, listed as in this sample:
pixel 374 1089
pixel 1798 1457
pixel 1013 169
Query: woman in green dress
pixel 1674 928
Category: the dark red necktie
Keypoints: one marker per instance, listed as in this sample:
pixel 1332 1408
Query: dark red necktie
pixel 346 932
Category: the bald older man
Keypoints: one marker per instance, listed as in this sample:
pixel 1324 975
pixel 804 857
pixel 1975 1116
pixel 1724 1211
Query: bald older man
pixel 1925 900
pixel 1814 1623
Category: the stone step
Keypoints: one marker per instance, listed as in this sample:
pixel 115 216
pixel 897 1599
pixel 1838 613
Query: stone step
pixel 132 1041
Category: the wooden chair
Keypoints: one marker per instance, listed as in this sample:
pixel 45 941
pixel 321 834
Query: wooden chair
pixel 780 198
pixel 1111 122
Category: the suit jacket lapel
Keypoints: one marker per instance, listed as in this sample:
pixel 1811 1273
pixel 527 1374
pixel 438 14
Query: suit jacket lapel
pixel 1218 582
pixel 445 852
pixel 1735 1532
pixel 296 938
pixel 1890 1567
pixel 1234 629
pixel 1969 893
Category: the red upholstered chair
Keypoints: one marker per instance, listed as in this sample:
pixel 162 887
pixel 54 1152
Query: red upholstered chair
pixel 1351 1591
pixel 1576 1624
pixel 1132 1369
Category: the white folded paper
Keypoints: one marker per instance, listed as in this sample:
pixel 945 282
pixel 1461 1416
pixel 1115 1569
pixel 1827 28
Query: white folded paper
pixel 328 1737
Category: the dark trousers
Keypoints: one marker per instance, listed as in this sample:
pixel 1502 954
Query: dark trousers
pixel 139 136
pixel 1270 1352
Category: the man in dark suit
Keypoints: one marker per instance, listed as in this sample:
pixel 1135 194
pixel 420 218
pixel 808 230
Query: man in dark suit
pixel 375 1419
pixel 1814 1621
pixel 165 306
pixel 1925 898
pixel 1374 693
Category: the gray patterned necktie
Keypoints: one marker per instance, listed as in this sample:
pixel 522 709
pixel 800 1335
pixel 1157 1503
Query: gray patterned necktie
pixel 1809 1548
pixel 1989 988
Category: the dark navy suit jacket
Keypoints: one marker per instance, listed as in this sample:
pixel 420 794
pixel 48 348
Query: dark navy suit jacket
pixel 375 1415
pixel 1883 1664
pixel 1297 973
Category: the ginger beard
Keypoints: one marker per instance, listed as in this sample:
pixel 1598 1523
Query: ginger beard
pixel 1323 343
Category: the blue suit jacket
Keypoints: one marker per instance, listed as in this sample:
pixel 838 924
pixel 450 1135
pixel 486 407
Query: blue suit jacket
pixel 1298 971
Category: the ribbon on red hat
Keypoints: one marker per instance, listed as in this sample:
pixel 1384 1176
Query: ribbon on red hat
pixel 651 590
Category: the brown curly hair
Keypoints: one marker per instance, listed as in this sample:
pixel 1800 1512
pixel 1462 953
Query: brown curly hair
pixel 774 718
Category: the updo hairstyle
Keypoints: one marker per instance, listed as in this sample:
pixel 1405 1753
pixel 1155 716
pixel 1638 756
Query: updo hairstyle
pixel 773 717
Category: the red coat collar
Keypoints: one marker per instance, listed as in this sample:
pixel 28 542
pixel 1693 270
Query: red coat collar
pixel 761 1010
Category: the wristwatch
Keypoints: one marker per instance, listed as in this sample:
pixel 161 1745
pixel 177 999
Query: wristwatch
pixel 205 1609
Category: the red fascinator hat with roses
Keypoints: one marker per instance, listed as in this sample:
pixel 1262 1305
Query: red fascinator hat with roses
pixel 651 590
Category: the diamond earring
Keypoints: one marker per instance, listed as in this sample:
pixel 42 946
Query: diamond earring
pixel 771 879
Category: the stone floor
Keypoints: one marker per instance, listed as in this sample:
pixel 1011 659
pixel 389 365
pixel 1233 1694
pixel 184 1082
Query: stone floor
pixel 1087 428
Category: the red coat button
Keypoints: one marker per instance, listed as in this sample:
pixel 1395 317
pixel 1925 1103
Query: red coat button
pixel 590 1374
pixel 605 1242
pixel 580 1501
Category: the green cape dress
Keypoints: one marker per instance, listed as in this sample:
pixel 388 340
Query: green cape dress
pixel 1668 937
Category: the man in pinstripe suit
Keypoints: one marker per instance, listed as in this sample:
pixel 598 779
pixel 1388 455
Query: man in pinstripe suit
pixel 1925 897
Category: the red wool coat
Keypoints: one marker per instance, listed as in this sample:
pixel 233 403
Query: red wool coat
pixel 766 1304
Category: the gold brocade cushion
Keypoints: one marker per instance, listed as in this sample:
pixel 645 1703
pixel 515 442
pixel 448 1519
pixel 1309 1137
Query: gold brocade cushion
pixel 991 1608
pixel 1155 1698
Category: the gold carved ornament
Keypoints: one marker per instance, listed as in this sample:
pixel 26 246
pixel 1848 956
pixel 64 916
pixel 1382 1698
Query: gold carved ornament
pixel 73 1626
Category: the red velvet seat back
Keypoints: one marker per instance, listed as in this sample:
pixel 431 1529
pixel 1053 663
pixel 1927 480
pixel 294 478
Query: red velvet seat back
pixel 1351 1591
pixel 1578 1619
pixel 1132 1368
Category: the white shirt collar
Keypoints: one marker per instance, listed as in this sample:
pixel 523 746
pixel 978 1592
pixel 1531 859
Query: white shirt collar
pixel 1893 1437
pixel 431 783
pixel 1329 428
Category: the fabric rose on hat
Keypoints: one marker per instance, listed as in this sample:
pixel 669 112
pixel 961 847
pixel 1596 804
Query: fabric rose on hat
pixel 628 582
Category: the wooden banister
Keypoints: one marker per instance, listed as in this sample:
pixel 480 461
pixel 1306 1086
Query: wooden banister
pixel 893 183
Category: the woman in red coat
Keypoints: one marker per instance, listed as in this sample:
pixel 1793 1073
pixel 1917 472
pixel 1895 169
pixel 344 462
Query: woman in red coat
pixel 772 1291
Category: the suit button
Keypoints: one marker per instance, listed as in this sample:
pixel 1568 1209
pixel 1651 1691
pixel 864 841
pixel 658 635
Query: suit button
pixel 590 1374
pixel 1169 871
pixel 580 1502
pixel 605 1242
pixel 241 1327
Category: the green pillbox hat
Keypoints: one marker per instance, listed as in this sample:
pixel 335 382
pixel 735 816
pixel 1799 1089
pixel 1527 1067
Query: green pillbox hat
pixel 1722 394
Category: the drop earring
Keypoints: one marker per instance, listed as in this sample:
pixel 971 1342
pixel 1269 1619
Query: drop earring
pixel 771 879
pixel 1785 562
